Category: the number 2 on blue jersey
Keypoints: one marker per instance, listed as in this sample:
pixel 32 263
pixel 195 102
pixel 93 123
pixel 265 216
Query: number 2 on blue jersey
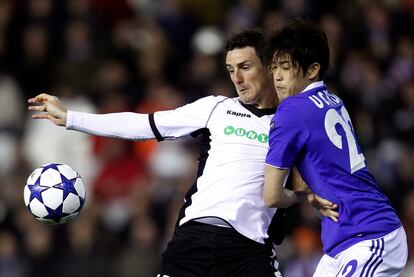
pixel 332 117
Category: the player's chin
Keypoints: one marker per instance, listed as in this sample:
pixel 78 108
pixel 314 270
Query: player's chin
pixel 247 99
pixel 282 95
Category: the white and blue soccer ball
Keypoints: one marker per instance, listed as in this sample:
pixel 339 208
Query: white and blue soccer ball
pixel 54 193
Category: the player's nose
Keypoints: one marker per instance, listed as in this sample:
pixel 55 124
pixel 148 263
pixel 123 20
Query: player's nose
pixel 276 75
pixel 238 77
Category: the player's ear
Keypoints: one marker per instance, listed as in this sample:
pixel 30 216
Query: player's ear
pixel 313 71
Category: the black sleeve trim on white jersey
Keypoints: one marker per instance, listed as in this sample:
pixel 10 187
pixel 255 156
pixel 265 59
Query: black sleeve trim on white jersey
pixel 154 128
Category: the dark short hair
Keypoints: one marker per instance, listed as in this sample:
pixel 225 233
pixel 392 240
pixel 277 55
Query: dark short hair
pixel 304 41
pixel 252 37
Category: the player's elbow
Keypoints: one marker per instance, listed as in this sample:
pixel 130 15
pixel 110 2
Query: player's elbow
pixel 269 203
pixel 272 200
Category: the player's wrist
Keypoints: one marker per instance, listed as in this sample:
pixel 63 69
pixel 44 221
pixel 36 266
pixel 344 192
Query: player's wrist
pixel 64 118
pixel 301 196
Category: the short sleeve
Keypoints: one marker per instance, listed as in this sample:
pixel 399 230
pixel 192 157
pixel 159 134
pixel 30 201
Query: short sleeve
pixel 287 137
pixel 186 119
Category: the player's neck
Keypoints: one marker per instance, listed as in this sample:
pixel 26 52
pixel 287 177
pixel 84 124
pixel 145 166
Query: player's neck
pixel 269 101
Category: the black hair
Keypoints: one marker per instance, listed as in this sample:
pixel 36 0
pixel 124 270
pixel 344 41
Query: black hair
pixel 303 41
pixel 253 38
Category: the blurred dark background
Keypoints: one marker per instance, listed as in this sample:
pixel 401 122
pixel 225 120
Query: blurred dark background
pixel 148 55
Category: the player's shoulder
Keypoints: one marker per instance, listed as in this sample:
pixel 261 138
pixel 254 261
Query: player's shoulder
pixel 316 99
pixel 293 102
pixel 213 99
pixel 292 109
pixel 321 98
pixel 206 104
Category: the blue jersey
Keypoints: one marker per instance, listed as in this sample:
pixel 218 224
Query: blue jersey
pixel 313 131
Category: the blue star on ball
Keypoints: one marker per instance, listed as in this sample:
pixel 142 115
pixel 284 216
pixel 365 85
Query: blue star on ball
pixel 68 186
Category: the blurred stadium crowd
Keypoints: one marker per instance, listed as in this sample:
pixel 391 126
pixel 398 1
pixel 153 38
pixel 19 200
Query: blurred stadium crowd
pixel 146 55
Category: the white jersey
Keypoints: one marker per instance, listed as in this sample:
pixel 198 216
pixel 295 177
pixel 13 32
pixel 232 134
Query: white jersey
pixel 234 138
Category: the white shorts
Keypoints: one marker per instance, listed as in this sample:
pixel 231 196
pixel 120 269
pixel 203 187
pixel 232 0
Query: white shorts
pixel 382 257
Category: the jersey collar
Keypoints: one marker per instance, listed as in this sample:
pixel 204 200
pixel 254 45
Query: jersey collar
pixel 258 112
pixel 313 85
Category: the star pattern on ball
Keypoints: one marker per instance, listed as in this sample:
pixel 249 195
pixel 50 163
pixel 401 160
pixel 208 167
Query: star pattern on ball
pixel 48 185
pixel 36 191
pixel 54 214
pixel 68 186
pixel 53 166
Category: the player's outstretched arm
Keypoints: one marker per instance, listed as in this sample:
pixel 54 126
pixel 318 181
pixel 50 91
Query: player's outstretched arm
pixel 48 107
pixel 126 125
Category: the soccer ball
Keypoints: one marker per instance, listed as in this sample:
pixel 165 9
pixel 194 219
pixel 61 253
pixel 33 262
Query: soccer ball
pixel 54 193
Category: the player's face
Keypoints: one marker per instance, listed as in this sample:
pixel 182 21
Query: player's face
pixel 250 77
pixel 288 78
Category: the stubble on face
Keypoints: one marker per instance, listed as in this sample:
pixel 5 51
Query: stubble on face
pixel 250 77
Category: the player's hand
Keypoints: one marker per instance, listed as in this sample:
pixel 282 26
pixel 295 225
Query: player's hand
pixel 325 207
pixel 48 107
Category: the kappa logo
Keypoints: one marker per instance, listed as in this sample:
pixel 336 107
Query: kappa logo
pixel 240 132
pixel 238 114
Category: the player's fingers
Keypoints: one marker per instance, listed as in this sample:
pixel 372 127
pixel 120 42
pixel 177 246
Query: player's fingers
pixel 328 212
pixel 322 200
pixel 332 215
pixel 331 206
pixel 40 116
pixel 55 120
pixel 324 212
pixel 40 98
pixel 335 219
pixel 326 203
pixel 33 100
pixel 40 108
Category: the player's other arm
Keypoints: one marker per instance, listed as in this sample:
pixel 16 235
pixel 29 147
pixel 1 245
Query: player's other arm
pixel 285 141
pixel 275 194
